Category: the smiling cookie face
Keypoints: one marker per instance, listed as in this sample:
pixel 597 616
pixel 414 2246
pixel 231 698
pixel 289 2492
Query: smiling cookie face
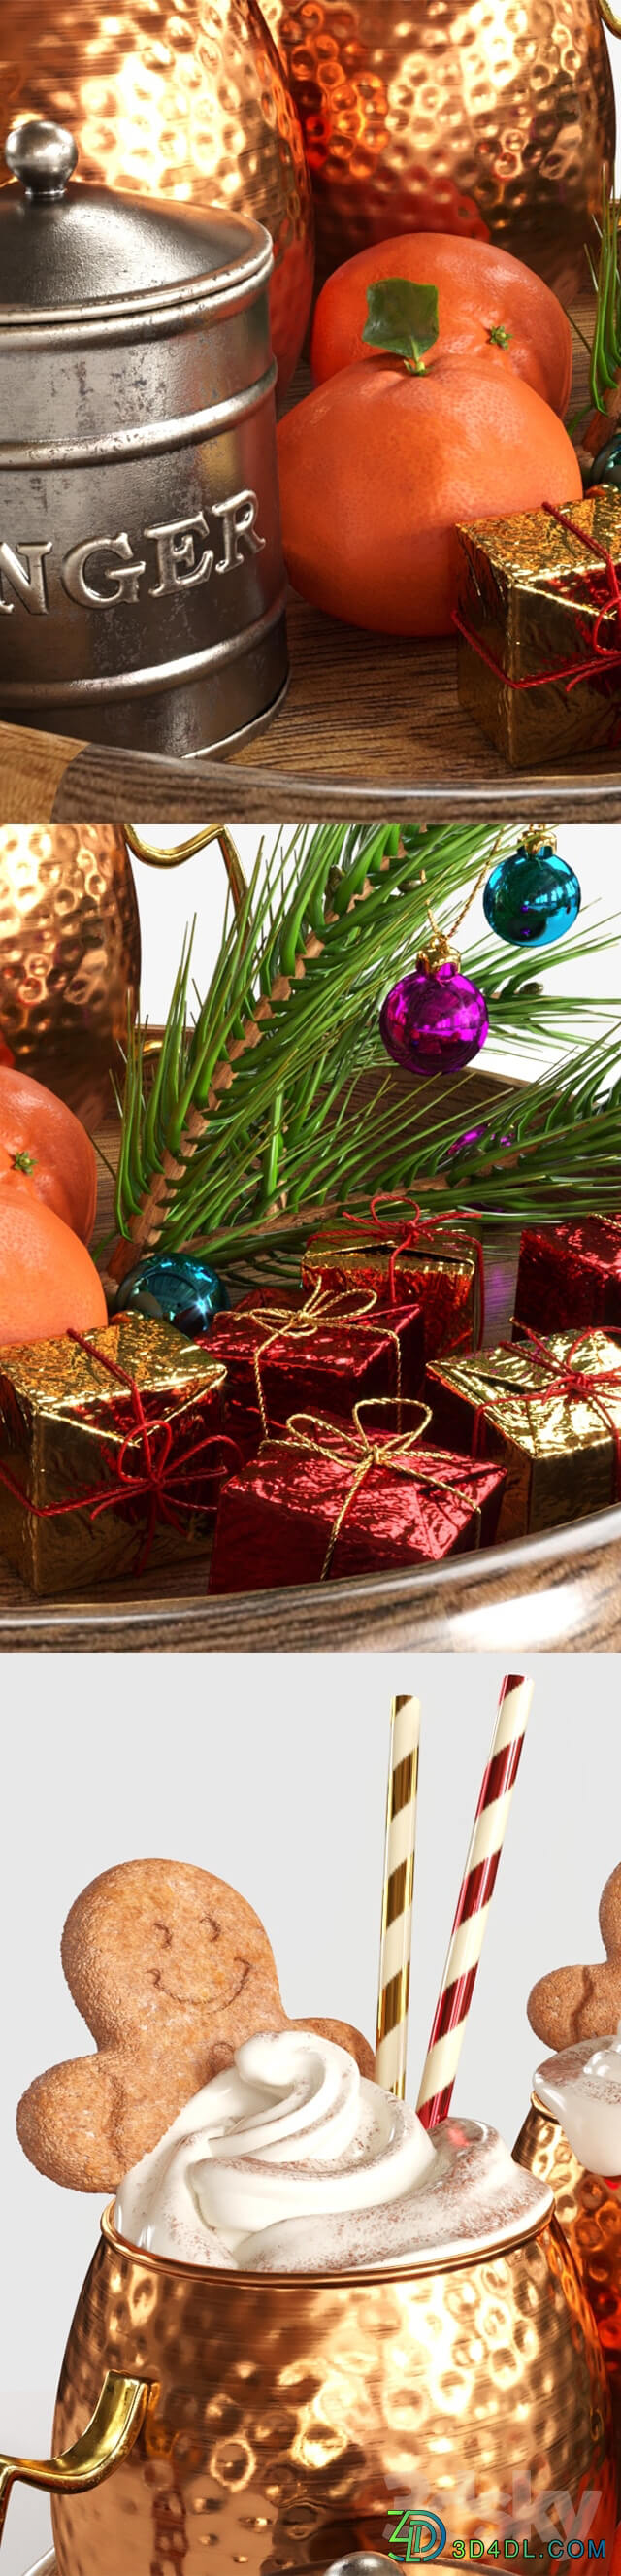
pixel 171 1970
pixel 583 2003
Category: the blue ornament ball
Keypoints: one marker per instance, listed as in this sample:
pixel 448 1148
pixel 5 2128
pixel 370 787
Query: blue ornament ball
pixel 532 896
pixel 605 468
pixel 174 1288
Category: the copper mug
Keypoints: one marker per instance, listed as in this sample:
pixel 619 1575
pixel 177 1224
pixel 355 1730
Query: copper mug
pixel 478 116
pixel 589 2211
pixel 286 2419
pixel 70 949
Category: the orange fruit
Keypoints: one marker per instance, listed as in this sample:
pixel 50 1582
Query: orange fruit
pixel 481 291
pixel 64 1171
pixel 377 466
pixel 48 1283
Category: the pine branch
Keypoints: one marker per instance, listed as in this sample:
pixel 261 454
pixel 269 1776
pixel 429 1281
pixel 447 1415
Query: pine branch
pixel 148 1220
pixel 340 876
pixel 254 1126
pixel 542 1150
pixel 606 343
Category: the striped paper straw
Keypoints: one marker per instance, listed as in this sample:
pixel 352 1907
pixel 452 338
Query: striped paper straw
pixel 396 1938
pixel 478 1881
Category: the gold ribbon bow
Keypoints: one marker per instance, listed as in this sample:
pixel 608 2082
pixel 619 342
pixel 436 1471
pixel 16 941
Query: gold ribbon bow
pixel 353 1448
pixel 324 1306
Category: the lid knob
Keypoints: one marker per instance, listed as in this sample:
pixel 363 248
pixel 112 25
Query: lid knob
pixel 42 156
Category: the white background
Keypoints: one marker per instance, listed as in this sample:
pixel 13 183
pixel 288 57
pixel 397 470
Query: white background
pixel 272 1773
pixel 168 902
pixel 614 49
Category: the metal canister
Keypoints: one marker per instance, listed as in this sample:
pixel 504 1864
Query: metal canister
pixel 141 574
pixel 190 102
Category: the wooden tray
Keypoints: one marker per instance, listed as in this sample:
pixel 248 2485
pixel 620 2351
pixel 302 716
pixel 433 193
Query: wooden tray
pixel 370 724
pixel 558 1592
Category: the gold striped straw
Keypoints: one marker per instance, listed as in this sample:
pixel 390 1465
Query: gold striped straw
pixel 396 1937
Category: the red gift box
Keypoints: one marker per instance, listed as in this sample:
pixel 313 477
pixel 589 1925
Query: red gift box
pixel 570 1275
pixel 284 1354
pixel 329 1500
pixel 431 1260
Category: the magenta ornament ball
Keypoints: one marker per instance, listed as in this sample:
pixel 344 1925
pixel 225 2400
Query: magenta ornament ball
pixel 434 1023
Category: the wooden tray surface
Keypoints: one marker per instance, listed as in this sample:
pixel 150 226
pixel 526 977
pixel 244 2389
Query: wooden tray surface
pixel 370 724
pixel 558 1592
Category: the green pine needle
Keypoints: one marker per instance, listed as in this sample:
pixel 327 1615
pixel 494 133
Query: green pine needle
pixel 606 342
pixel 254 1140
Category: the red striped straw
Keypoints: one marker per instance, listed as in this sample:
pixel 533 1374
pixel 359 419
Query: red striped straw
pixel 475 1895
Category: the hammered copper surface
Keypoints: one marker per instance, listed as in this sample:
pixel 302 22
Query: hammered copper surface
pixel 590 2214
pixel 69 954
pixel 190 103
pixel 291 2413
pixel 411 107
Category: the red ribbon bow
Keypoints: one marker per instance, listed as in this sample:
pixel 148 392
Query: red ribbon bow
pixel 561 1379
pixel 159 1470
pixel 413 1233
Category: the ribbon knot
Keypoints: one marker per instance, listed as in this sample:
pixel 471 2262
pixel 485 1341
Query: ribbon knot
pixel 576 1382
pixel 352 1447
pixel 344 1306
pixel 153 1441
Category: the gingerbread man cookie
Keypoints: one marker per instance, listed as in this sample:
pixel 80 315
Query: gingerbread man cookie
pixel 583 2003
pixel 171 1970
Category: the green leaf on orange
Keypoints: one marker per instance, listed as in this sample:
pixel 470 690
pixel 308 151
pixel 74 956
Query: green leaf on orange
pixel 402 318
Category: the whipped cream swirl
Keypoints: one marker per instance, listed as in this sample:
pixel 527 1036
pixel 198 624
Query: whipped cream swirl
pixel 582 2088
pixel 290 2161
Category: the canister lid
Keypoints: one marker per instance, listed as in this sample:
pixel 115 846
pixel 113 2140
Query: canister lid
pixel 65 247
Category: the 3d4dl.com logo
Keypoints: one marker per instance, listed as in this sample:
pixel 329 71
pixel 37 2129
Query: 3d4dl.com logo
pixel 420 2535
pixel 418 2538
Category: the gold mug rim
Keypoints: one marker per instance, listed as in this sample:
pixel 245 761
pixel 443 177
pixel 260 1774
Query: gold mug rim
pixel 439 2260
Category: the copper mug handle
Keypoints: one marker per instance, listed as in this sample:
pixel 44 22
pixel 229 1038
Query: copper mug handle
pixel 156 858
pixel 113 2429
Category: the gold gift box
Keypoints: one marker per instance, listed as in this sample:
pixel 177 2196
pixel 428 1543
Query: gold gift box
pixel 65 1425
pixel 445 1281
pixel 523 595
pixel 560 1455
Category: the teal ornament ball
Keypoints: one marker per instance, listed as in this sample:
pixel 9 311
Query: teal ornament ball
pixel 605 468
pixel 173 1288
pixel 532 896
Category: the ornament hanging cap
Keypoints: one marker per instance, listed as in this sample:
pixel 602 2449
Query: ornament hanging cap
pixel 440 951
pixel 537 837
